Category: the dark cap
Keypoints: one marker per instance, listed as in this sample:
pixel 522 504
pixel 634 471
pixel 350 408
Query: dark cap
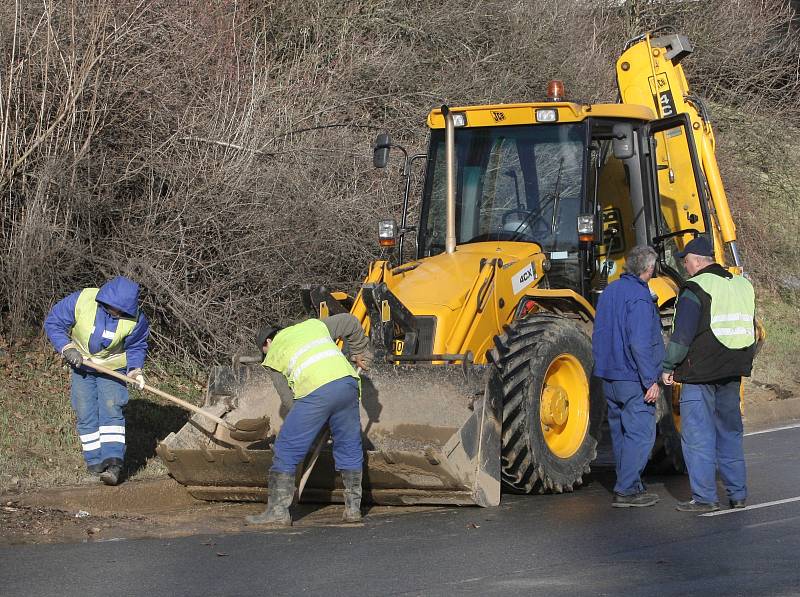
pixel 697 246
pixel 266 333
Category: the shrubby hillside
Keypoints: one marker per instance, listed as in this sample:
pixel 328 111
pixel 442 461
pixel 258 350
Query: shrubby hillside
pixel 221 155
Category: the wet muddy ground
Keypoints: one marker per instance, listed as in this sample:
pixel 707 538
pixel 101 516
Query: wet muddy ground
pixel 162 508
pixel 155 509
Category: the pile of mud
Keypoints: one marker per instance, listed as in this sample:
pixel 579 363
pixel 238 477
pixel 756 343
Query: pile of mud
pixel 141 509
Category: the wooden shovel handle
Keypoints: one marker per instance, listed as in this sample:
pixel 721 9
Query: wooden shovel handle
pixel 323 439
pixel 157 392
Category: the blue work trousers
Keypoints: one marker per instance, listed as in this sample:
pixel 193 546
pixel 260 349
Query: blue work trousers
pixel 633 430
pixel 335 403
pixel 97 401
pixel 711 437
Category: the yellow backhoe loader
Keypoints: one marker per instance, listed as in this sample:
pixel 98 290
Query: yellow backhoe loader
pixel 482 340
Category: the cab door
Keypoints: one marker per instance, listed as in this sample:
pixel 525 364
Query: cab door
pixel 675 184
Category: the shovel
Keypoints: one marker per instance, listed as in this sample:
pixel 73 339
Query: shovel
pixel 321 441
pixel 246 430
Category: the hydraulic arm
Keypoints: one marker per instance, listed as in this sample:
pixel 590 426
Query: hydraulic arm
pixel 649 73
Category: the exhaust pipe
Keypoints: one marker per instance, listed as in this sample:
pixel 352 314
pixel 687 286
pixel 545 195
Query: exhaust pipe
pixel 450 158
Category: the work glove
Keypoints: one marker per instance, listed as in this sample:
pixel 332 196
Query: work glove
pixel 72 356
pixel 362 360
pixel 137 375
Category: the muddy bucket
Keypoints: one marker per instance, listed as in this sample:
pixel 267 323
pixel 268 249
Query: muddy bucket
pixel 431 436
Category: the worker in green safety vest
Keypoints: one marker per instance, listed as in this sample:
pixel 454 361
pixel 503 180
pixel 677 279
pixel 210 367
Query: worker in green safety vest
pixel 105 326
pixel 712 347
pixel 313 375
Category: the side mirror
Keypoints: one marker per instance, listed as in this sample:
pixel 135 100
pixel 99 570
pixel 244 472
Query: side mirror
pixel 623 141
pixel 380 151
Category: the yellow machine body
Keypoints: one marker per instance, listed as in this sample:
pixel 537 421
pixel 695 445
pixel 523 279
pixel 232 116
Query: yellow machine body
pixel 482 341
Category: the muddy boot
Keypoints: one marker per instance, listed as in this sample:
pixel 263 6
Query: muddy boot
pixel 352 496
pixel 281 493
pixel 92 475
pixel 95 469
pixel 113 473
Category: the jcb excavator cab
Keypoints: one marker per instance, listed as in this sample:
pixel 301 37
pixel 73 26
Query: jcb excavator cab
pixel 483 368
pixel 584 191
pixel 516 183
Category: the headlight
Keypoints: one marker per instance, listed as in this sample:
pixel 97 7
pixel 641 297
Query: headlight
pixel 546 115
pixel 586 224
pixel 387 233
pixel 586 228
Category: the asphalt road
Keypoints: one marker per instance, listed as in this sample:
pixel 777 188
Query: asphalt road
pixel 554 545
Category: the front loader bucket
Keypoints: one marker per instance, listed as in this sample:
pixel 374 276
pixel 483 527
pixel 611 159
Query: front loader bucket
pixel 431 436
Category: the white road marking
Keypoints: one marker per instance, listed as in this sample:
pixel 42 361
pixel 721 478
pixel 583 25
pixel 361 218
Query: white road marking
pixel 771 522
pixel 795 426
pixel 753 507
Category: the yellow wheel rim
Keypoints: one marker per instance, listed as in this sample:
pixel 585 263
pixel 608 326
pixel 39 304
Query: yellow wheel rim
pixel 564 406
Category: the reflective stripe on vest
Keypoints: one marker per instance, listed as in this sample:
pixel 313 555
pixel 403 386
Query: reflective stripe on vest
pixel 113 356
pixel 732 309
pixel 308 357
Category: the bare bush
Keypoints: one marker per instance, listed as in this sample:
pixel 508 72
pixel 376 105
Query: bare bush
pixel 747 52
pixel 221 156
pixel 54 109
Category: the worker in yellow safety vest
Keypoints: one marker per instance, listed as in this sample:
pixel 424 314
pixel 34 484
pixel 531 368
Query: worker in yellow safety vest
pixel 712 347
pixel 105 326
pixel 322 386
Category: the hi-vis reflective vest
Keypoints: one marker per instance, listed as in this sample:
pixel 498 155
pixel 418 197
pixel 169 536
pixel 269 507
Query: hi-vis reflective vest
pixel 113 356
pixel 732 309
pixel 307 356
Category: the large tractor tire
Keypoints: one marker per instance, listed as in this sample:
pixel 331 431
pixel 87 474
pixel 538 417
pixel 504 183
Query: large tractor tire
pixel 551 420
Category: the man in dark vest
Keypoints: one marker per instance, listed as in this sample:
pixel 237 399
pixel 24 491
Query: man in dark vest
pixel 712 347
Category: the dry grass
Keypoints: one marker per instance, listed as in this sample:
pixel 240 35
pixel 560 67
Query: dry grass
pixel 778 363
pixel 760 162
pixel 38 443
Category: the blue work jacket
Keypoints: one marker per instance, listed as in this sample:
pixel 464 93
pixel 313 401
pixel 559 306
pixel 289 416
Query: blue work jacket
pixel 626 341
pixel 119 293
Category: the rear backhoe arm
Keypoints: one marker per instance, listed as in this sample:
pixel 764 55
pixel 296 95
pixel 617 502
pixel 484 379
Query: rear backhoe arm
pixel 649 73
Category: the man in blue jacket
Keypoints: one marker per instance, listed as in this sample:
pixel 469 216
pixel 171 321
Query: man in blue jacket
pixel 106 326
pixel 628 349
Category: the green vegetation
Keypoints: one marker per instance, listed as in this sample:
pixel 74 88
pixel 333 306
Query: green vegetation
pixel 778 363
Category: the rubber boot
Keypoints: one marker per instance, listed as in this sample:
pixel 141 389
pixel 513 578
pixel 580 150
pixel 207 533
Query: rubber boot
pixel 352 496
pixel 95 469
pixel 112 475
pixel 281 493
